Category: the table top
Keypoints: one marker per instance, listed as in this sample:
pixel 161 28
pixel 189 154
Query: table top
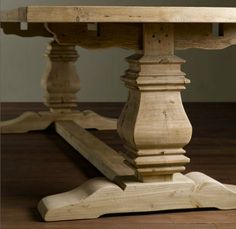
pixel 129 14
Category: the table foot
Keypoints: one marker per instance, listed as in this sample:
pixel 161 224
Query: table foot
pixel 31 121
pixel 99 196
pixel 26 122
pixel 90 120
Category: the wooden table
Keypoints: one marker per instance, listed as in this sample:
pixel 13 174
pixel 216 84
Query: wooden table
pixel 153 124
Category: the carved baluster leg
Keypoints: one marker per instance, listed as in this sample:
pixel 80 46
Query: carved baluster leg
pixel 153 124
pixel 61 84
pixel 61 81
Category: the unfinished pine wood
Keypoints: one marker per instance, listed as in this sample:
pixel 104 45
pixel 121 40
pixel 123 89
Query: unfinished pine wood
pixel 126 35
pixel 129 35
pixel 43 153
pixel 61 81
pixel 99 196
pixel 103 157
pixel 121 14
pixel 201 36
pixel 153 123
pixel 61 84
pixel 26 122
pixel 15 15
pixel 32 121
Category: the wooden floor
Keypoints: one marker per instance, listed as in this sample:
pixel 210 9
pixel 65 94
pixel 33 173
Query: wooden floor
pixel 38 164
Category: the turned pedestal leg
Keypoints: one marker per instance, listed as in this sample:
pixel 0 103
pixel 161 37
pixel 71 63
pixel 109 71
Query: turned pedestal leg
pixel 61 84
pixel 153 124
pixel 61 81
pixel 154 128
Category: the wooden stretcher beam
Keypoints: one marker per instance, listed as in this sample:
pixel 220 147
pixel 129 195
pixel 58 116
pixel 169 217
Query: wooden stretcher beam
pixel 103 157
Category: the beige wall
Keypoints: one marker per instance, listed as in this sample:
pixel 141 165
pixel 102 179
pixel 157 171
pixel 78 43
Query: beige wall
pixel 213 73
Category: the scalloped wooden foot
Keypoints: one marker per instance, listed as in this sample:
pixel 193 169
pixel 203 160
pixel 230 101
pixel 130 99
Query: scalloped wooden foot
pixel 99 196
pixel 26 122
pixel 30 121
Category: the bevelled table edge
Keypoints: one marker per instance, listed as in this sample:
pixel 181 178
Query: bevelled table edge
pixel 128 14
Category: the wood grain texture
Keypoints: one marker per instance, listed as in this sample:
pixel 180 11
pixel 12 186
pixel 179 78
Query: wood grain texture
pixel 129 35
pixel 158 39
pixel 33 121
pixel 126 35
pixel 60 83
pixel 15 15
pixel 153 123
pixel 201 36
pixel 46 157
pixel 122 14
pixel 60 80
pixel 100 196
pixel 104 158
